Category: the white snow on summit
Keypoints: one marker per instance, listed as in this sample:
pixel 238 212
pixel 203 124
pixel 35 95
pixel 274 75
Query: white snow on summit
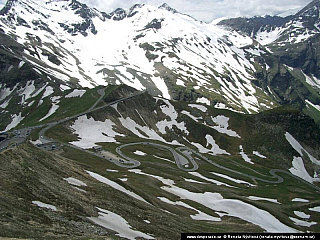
pixel 116 51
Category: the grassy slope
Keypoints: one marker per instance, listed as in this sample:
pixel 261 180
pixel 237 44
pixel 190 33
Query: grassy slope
pixel 263 132
pixel 29 174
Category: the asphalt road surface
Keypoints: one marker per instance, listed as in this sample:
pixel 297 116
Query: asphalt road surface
pixel 182 162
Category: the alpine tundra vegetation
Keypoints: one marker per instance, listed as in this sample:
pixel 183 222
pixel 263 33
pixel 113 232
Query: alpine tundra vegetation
pixel 145 123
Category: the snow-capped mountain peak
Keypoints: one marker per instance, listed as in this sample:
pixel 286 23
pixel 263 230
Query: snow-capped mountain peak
pixel 168 8
pixel 146 47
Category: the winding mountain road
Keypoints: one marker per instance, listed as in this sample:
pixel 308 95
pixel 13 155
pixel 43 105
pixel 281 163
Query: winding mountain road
pixel 187 152
pixel 45 139
pixel 182 155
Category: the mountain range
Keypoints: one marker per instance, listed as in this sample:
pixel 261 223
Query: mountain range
pixel 146 123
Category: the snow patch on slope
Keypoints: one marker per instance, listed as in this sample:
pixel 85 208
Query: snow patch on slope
pixel 258 154
pixel 203 100
pixel 53 109
pixel 298 169
pixel 215 149
pixel 254 198
pixel 91 131
pixel 297 146
pixel 44 205
pixel 222 126
pixel 115 186
pixel 115 222
pixel 169 110
pixel 233 179
pixel 230 207
pixel 49 90
pixel 15 120
pixel 265 37
pixel 245 156
pixel 27 91
pixel 196 174
pixel 302 223
pixel 315 209
pixel 199 216
pixel 76 93
pixel 75 182
pixel 5 92
pixel 199 107
pixel 139 153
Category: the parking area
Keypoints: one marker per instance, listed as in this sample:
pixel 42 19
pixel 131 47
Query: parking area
pixel 49 146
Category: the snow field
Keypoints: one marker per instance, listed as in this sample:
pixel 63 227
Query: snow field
pixel 297 146
pixel 222 123
pixel 121 50
pixel 199 216
pixel 199 107
pixel 75 93
pixel 298 169
pixel 111 170
pixel 91 131
pixel 27 91
pixel 44 205
pixel 164 159
pixel 15 120
pixel 5 103
pixel 215 149
pixel 254 198
pixel 302 223
pixel 49 90
pixel 169 110
pixel 148 132
pixel 203 100
pixel 233 179
pixel 115 186
pixel 300 200
pixel 313 105
pixel 258 154
pixel 196 174
pixel 115 222
pixel 55 101
pixel 193 181
pixel 5 92
pixel 229 207
pixel 264 37
pixel 302 214
pixel 140 153
pixel 245 156
pixel 315 209
pixel 191 116
pixel 75 182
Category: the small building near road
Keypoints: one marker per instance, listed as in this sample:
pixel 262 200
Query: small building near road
pixel 3 136
pixel 97 148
